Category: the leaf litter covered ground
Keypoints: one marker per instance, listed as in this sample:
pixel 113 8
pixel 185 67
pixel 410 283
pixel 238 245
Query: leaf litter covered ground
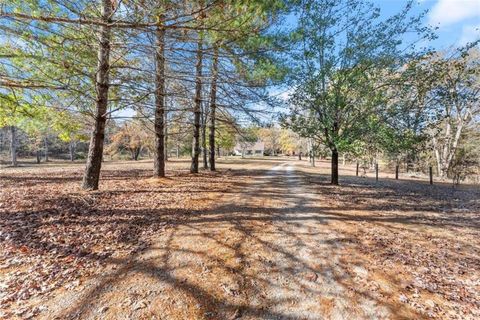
pixel 261 239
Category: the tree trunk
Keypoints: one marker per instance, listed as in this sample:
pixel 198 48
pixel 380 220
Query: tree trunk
pixel 159 157
pixel 454 145
pixel 312 153
pixel 2 140
pixel 204 141
pixel 213 107
pixel 72 150
pixel 446 148
pixel 95 151
pixel 334 180
pixel 137 153
pixel 197 106
pixel 165 123
pixel 13 145
pixel 45 144
pixel 438 160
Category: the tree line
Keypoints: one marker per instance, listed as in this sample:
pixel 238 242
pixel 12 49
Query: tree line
pixel 197 74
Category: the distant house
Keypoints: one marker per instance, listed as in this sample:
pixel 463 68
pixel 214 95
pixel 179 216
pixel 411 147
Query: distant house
pixel 249 149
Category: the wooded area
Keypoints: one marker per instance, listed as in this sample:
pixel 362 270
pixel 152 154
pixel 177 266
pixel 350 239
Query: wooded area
pixel 128 126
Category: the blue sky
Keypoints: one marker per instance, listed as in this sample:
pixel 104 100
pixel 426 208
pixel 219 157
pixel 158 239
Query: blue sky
pixel 458 21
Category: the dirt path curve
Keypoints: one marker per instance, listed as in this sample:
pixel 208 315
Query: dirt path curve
pixel 264 252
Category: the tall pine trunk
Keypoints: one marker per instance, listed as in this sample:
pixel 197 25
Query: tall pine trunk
pixel 165 123
pixel 204 138
pixel 159 157
pixel 197 107
pixel 334 166
pixel 213 107
pixel 95 151
pixel 13 145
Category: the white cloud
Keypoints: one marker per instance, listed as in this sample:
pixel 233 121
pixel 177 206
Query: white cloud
pixel 470 33
pixel 447 12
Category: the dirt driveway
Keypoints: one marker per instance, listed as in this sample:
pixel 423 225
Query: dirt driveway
pixel 263 252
